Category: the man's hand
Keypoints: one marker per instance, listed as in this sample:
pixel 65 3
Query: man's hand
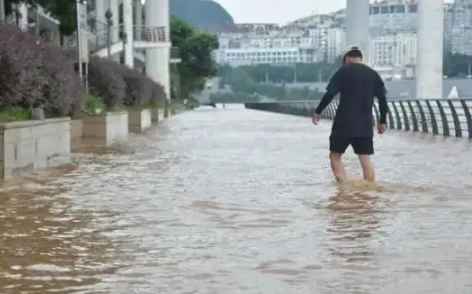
pixel 381 129
pixel 316 118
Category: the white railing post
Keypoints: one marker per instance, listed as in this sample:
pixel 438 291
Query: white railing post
pixel 158 59
pixel 128 38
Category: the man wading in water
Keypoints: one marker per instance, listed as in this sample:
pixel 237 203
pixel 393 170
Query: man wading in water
pixel 358 84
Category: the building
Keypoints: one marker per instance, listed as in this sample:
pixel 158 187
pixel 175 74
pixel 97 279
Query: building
pixel 253 56
pixel 394 15
pixel 331 42
pixel 322 44
pixel 458 27
pixel 395 50
pixel 448 25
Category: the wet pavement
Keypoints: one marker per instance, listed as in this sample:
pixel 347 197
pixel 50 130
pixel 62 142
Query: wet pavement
pixel 236 201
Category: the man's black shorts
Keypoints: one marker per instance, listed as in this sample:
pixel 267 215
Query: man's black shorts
pixel 361 145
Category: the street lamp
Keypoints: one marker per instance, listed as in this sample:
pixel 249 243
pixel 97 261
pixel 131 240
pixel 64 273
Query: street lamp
pixel 108 16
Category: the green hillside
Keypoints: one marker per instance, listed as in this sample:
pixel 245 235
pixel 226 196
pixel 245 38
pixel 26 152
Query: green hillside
pixel 200 13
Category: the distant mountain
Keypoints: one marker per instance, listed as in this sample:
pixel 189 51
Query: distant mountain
pixel 201 13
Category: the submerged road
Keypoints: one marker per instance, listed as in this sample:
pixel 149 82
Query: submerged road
pixel 236 201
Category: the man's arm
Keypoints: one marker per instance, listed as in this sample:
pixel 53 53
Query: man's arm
pixel 333 88
pixel 381 94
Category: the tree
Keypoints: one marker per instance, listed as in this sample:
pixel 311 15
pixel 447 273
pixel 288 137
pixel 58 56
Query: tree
pixel 457 65
pixel 195 50
pixel 64 10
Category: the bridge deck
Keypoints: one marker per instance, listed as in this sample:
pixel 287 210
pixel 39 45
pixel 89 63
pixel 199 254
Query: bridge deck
pixel 242 201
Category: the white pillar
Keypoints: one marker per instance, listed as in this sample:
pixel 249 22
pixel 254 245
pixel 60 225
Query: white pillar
pixel 138 12
pixel 23 10
pixel 429 67
pixel 2 10
pixel 128 28
pixel 100 10
pixel 138 21
pixel 357 26
pixel 157 59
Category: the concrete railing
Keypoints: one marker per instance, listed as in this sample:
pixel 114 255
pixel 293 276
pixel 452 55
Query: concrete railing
pixel 29 145
pixel 447 117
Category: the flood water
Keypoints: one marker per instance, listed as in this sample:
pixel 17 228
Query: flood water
pixel 236 201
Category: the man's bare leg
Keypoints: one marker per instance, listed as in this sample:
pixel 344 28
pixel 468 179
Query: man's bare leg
pixel 337 166
pixel 367 168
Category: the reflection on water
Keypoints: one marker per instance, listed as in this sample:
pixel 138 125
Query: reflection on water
pixel 354 229
pixel 47 245
pixel 234 201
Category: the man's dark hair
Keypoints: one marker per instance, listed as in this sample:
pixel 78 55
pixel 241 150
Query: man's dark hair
pixel 354 52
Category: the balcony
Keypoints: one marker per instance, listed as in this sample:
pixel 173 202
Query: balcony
pixel 105 41
pixel 110 41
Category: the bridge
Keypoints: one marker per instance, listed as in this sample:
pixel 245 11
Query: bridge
pixel 242 201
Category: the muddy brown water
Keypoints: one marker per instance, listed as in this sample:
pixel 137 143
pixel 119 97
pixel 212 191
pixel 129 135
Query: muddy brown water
pixel 235 201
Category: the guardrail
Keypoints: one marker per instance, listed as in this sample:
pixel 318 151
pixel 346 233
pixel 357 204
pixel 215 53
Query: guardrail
pixel 447 117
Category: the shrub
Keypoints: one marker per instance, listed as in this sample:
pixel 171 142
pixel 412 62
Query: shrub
pixel 106 81
pixel 158 95
pixel 63 93
pixel 36 74
pixel 119 85
pixel 92 103
pixel 139 88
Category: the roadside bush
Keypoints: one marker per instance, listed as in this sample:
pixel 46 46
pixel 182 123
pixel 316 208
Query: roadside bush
pixel 106 81
pixel 139 88
pixel 93 103
pixel 118 85
pixel 36 74
pixel 158 95
pixel 63 93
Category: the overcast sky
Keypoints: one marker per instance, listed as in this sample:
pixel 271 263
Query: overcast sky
pixel 278 11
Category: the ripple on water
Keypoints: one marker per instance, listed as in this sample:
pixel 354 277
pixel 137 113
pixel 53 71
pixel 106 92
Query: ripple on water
pixel 238 201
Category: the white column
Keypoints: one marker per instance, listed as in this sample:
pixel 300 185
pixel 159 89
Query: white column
pixel 138 12
pixel 100 10
pixel 357 26
pixel 23 10
pixel 128 28
pixel 157 59
pixel 101 27
pixel 138 21
pixel 429 67
pixel 2 10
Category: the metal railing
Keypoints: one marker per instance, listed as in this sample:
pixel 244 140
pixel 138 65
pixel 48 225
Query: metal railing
pixel 447 117
pixel 100 36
